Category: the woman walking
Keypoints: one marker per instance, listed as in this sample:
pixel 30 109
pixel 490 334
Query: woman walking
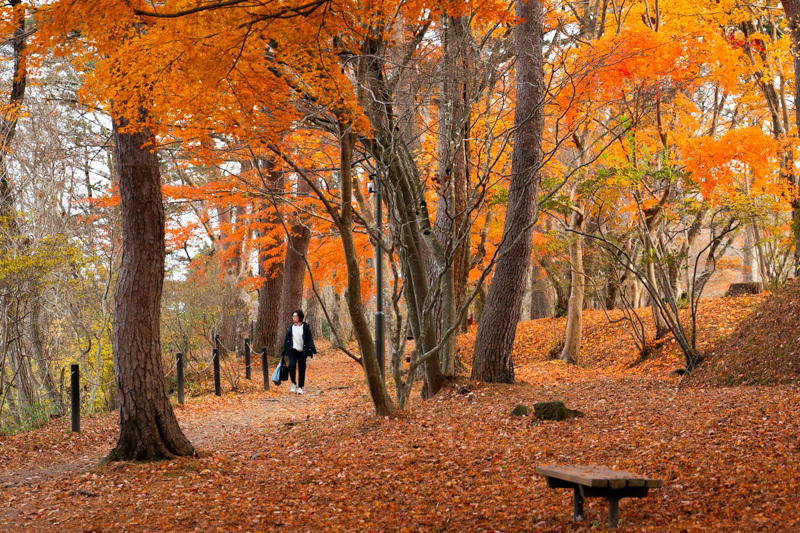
pixel 299 346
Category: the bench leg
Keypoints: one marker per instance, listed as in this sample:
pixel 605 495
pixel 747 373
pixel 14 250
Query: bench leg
pixel 577 505
pixel 613 513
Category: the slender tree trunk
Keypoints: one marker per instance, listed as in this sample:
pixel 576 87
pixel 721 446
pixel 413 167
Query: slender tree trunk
pixel 40 356
pixel 662 328
pixel 574 333
pixel 498 327
pixel 380 396
pixel 22 370
pixel 453 178
pixel 148 427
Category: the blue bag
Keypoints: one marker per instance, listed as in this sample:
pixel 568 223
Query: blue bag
pixel 276 376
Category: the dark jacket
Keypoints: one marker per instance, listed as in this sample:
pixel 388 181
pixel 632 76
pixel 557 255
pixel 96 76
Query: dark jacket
pixel 308 342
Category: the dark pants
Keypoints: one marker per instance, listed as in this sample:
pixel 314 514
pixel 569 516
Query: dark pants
pixel 297 359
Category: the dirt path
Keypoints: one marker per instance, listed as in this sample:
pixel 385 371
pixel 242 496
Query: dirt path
pixel 54 452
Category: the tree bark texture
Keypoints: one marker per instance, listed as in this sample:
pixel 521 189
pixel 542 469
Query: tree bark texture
pixel 148 427
pixel 453 179
pixel 294 268
pixel 267 330
pixel 494 342
pixel 574 332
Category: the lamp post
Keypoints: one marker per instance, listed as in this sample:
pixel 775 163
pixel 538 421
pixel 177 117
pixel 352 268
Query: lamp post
pixel 380 343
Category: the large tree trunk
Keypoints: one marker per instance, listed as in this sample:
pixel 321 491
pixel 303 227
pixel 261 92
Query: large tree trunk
pixel 148 427
pixel 792 10
pixel 498 326
pixel 294 268
pixel 294 271
pixel 268 328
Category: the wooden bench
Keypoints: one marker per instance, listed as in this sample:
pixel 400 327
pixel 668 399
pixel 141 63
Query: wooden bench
pixel 592 481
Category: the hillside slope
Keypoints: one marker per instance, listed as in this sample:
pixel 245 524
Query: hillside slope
pixel 607 345
pixel 764 348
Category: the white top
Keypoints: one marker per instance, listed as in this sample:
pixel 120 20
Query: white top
pixel 297 337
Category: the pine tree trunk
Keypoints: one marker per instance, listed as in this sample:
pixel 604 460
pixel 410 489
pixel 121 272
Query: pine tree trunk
pixel 268 328
pixel 148 427
pixel 294 272
pixel 294 268
pixel 494 340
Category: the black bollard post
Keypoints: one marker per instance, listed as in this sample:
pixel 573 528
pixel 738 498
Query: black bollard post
pixel 264 368
pixel 75 391
pixel 247 373
pixel 217 384
pixel 179 370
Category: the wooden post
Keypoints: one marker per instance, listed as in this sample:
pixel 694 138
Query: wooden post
pixel 217 384
pixel 264 368
pixel 179 370
pixel 247 373
pixel 75 392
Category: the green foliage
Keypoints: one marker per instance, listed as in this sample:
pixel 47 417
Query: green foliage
pixel 499 196
pixel 30 418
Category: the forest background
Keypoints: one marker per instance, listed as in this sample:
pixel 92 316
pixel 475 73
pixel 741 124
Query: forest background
pixel 181 175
